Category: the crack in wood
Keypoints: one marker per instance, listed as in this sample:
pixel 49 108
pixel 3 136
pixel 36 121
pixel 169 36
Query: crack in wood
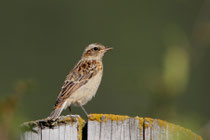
pixel 105 127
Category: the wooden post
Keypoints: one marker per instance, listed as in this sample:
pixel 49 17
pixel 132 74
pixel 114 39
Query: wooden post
pixel 114 127
pixel 106 127
pixel 65 128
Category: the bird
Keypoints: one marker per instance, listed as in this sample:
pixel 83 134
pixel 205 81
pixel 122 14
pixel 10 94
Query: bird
pixel 82 82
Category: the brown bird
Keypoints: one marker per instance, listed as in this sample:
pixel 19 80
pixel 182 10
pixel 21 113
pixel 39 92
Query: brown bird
pixel 82 82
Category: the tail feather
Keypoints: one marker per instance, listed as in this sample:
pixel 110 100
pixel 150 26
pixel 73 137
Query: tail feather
pixel 55 114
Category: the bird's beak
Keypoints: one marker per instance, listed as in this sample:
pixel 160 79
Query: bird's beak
pixel 107 49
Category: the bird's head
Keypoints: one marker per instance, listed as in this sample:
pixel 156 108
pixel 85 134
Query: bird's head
pixel 95 51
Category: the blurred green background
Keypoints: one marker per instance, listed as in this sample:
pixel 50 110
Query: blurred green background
pixel 159 67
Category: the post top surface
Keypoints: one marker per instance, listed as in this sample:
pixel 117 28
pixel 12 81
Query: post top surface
pixel 42 123
pixel 143 124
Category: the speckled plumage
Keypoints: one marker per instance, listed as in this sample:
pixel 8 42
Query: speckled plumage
pixel 82 82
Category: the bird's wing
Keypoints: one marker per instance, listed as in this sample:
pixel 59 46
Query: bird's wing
pixel 78 77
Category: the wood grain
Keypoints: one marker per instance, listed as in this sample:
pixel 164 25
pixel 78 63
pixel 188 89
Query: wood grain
pixel 65 128
pixel 114 127
pixel 105 127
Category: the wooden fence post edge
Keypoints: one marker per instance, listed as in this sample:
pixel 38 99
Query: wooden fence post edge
pixel 105 127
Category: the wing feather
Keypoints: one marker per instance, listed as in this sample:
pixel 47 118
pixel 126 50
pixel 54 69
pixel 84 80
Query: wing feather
pixel 76 79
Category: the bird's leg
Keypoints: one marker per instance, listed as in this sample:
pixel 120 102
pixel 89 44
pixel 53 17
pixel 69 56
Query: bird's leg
pixel 83 109
pixel 70 109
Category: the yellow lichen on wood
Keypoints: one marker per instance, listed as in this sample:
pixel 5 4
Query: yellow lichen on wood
pixel 148 122
pixel 47 123
pixel 81 124
pixel 148 127
pixel 67 119
pixel 141 123
pixel 172 128
pixel 72 120
pixel 106 117
pixel 176 128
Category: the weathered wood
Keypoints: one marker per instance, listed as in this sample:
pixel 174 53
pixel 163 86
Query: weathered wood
pixel 115 127
pixel 161 130
pixel 105 127
pixel 65 128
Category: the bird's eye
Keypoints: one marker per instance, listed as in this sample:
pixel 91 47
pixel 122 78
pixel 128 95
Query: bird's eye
pixel 95 48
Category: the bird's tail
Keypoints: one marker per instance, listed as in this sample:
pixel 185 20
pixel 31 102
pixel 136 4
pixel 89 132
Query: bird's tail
pixel 56 112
